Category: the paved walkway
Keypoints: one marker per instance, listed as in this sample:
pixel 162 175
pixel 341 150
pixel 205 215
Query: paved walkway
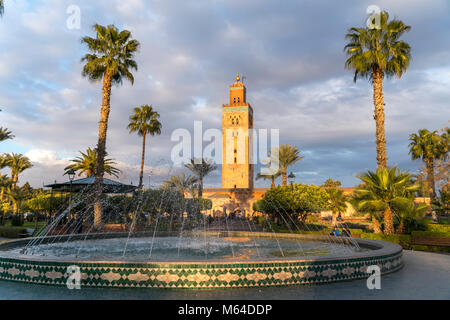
pixel 425 276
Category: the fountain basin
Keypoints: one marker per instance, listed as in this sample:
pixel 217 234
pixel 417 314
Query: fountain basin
pixel 222 271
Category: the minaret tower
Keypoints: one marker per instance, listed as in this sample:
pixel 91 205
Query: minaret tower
pixel 237 119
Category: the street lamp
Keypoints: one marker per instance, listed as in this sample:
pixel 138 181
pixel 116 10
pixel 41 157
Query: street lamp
pixel 71 174
pixel 291 178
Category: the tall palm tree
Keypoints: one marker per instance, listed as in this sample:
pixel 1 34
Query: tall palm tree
pixel 87 163
pixel 337 203
pixel 288 156
pixel 110 60
pixel 428 146
pixel 181 183
pixel 144 121
pixel 200 170
pixel 374 54
pixel 5 134
pixel 18 164
pixel 382 191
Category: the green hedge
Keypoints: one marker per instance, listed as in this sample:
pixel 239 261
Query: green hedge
pixel 431 249
pixel 356 232
pixel 401 239
pixel 445 228
pixel 431 234
pixel 11 232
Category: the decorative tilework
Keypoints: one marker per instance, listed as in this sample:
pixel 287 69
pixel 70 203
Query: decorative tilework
pixel 205 275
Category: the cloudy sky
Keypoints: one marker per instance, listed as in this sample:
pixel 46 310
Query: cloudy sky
pixel 291 53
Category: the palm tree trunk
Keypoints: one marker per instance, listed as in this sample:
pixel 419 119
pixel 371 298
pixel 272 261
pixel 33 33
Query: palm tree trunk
pixel 273 182
pixel 101 149
pixel 141 175
pixel 378 99
pixel 376 226
pixel 430 178
pixel 200 187
pixel 388 222
pixel 401 228
pixel 284 176
pixel 14 178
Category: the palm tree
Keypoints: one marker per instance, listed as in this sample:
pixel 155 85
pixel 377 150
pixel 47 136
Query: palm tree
pixel 200 170
pixel 288 156
pixel 110 60
pixel 16 196
pixel 2 7
pixel 382 190
pixel 87 163
pixel 144 121
pixel 427 146
pixel 271 177
pixel 409 211
pixel 18 164
pixel 5 134
pixel 181 183
pixel 337 203
pixel 330 183
pixel 374 54
pixel 270 163
pixel 5 183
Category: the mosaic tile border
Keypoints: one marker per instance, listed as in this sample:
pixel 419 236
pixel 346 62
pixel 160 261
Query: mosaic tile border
pixel 205 275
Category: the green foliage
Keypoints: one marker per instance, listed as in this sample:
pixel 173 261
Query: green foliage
pixel 378 49
pixel 5 134
pixel 87 162
pixel 182 184
pixel 11 232
pixel 383 191
pixel 427 145
pixel 296 203
pixel 201 168
pixel 330 183
pixel 145 120
pixel 111 53
pixel 403 240
pixel 17 221
pixel 438 249
pixel 439 228
pixel 431 234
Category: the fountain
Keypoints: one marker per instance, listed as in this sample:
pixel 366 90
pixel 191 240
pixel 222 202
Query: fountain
pixel 179 248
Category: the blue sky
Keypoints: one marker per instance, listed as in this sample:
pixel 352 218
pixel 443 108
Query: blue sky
pixel 291 53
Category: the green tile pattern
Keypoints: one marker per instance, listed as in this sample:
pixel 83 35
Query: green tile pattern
pixel 206 275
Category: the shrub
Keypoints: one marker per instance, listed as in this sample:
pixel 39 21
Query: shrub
pixel 17 221
pixel 439 228
pixel 11 232
pixel 356 232
pixel 403 240
pixel 431 234
pixel 431 248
